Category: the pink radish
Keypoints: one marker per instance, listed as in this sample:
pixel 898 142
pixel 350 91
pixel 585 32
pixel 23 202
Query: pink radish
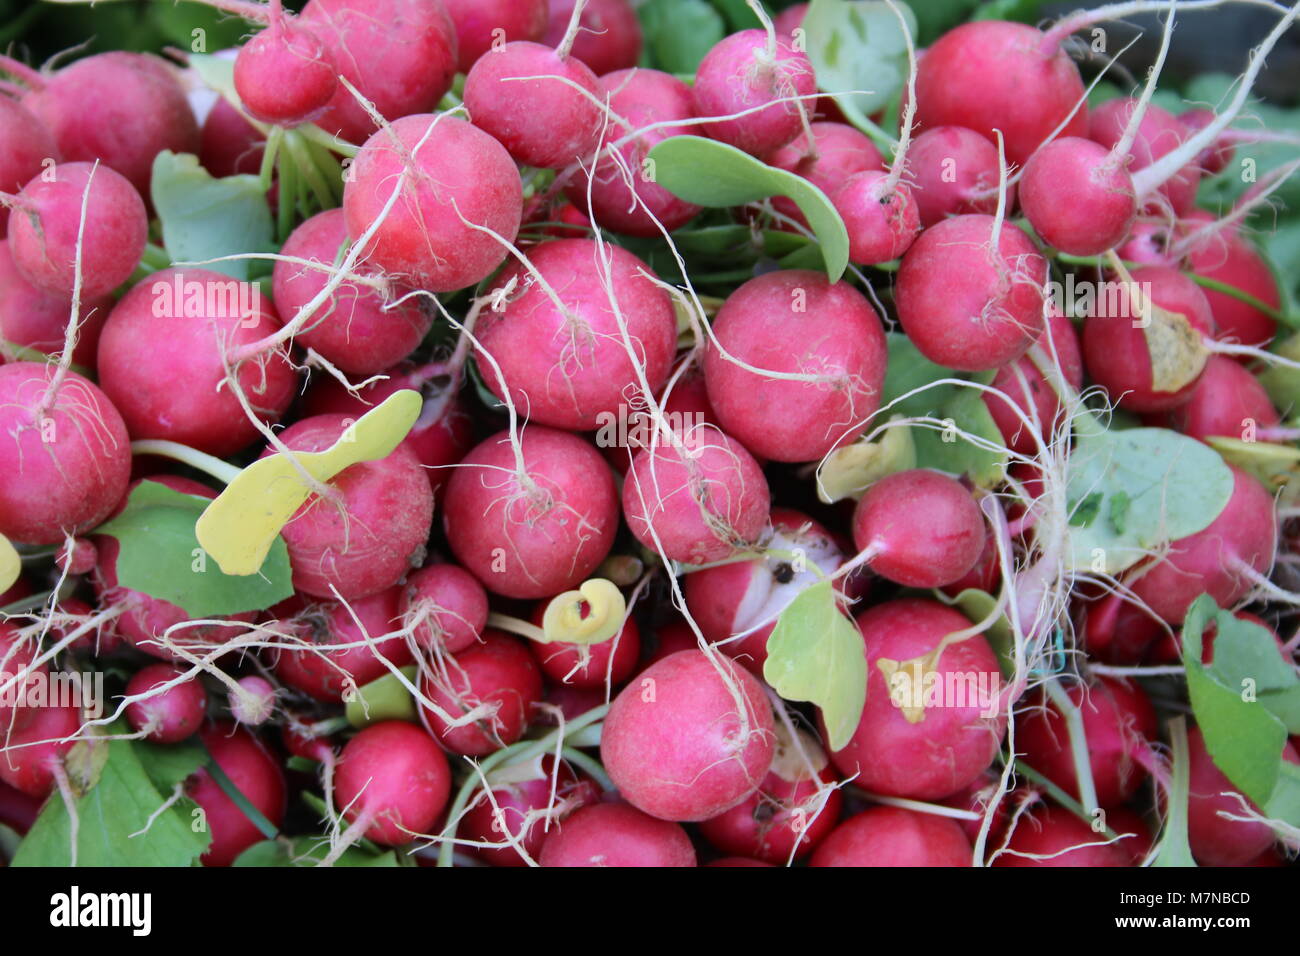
pixel 614 834
pixel 172 715
pixel 393 780
pixel 482 26
pixel 256 774
pixel 954 171
pixel 28 145
pixel 448 603
pixel 36 320
pixel 285 75
pixel 889 836
pixel 609 37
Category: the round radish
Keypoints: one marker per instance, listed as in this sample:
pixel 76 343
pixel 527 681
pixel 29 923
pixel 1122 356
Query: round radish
pixel 1052 836
pixel 614 834
pixel 1030 393
pixel 285 75
pixel 1159 132
pixel 229 143
pixel 609 35
pixel 1215 840
pixel 588 665
pixel 485 25
pixel 1227 401
pixel 171 715
pixel 889 836
pixel 837 152
pixel 882 220
pixel 36 320
pixel 1231 259
pixel 1078 197
pixel 395 777
pixel 258 777
pixel 449 604
pixel 28 145
pixel 33 744
pixel 954 171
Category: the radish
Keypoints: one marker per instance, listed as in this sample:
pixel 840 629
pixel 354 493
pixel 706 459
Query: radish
pixel 787 817
pixel 835 153
pixel 919 528
pixel 515 809
pixel 64 454
pixel 691 737
pixel 1078 195
pixel 499 672
pixel 614 834
pixel 28 145
pixel 446 605
pixel 170 716
pixel 701 499
pixel 908 744
pixel 1030 393
pixel 889 836
pixel 609 37
pixel 1051 836
pixel 746 597
pixel 370 531
pixel 120 108
pixel 33 745
pixel 1115 630
pixel 795 322
pixel 356 329
pixel 1148 244
pixel 252 700
pixel 954 171
pixel 483 25
pixel 964 306
pixel 588 320
pixel 1216 841
pixel 392 781
pixel 399 54
pixel 533 520
pixel 1159 134
pixel 1032 91
pixel 1231 259
pixel 16 657
pixel 229 144
pixel 1115 348
pixel 753 70
pixel 327 674
pixel 285 75
pixel 572 701
pixel 256 774
pixel 35 320
pixel 588 665
pixel 881 215
pixel 47 228
pixel 1119 724
pixel 1225 560
pixel 616 193
pixel 1227 401
pixel 460 198
pixel 189 321
pixel 550 120
pixel 1213 159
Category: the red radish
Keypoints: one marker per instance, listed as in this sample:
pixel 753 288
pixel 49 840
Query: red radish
pixel 28 146
pixel 33 746
pixel 1216 841
pixel 1231 259
pixel 737 861
pixel 614 834
pixel 285 75
pixel 836 153
pixel 922 528
pixel 189 321
pixel 965 306
pixel 954 171
pixel 1115 348
pixel 795 321
pixel 921 736
pixel 1032 91
pixel 399 54
pixel 559 341
pixel 516 809
pixel 671 638
pixel 172 715
pixel 676 743
pixel 47 220
pixel 788 816
pixel 498 671
pixel 1227 401
pixel 1052 836
pixel 746 597
pixel 1213 159
pixel 484 25
pixel 16 657
pixel 889 836
pixel 35 320
pixel 1148 245
pixel 1159 132
pixel 588 665
pixel 572 701
pixel 1119 724
pixel 372 531
pixel 882 217
pixel 1030 393
pixel 1136 834
pixel 253 703
pixel 323 672
pixel 536 530
pixel 617 194
pixel 790 19
pixel 440 436
pixel 976 798
pixel 1078 196
pixel 65 456
pixel 1223 560
pixel 229 143
pixel 458 181
pixel 355 329
pixel 302 739
pixel 550 120
pixel 1116 631
pixel 393 777
pixel 120 108
pixel 750 71
pixel 609 37
pixel 700 500
pixel 256 774
pixel 18 811
pixel 449 604
pixel 986 574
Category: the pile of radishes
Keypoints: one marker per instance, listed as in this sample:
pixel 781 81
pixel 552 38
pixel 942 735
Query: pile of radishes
pixel 583 547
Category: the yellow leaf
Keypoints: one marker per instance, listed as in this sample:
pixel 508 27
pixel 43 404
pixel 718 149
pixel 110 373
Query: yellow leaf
pixel 590 615
pixel 238 528
pixel 849 471
pixel 10 564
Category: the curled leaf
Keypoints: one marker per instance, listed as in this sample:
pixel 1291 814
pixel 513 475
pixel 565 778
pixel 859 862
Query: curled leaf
pixel 849 471
pixel 590 615
pixel 10 564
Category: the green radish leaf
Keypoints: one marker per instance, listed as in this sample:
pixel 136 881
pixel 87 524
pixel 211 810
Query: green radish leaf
pixel 935 17
pixel 709 173
pixel 908 369
pixel 119 805
pixel 1174 850
pixel 815 653
pixel 160 556
pixel 1086 511
pixel 1248 662
pixel 679 32
pixel 1169 486
pixel 309 851
pixel 859 52
pixel 1275 465
pixel 1022 11
pixel 738 14
pixel 977 605
pixel 204 218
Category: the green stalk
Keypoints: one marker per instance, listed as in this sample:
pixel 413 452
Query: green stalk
pixel 1078 743
pixel 208 464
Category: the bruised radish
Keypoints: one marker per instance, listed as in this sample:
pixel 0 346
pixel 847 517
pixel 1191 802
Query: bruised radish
pixel 614 834
pixel 394 778
pixel 890 836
